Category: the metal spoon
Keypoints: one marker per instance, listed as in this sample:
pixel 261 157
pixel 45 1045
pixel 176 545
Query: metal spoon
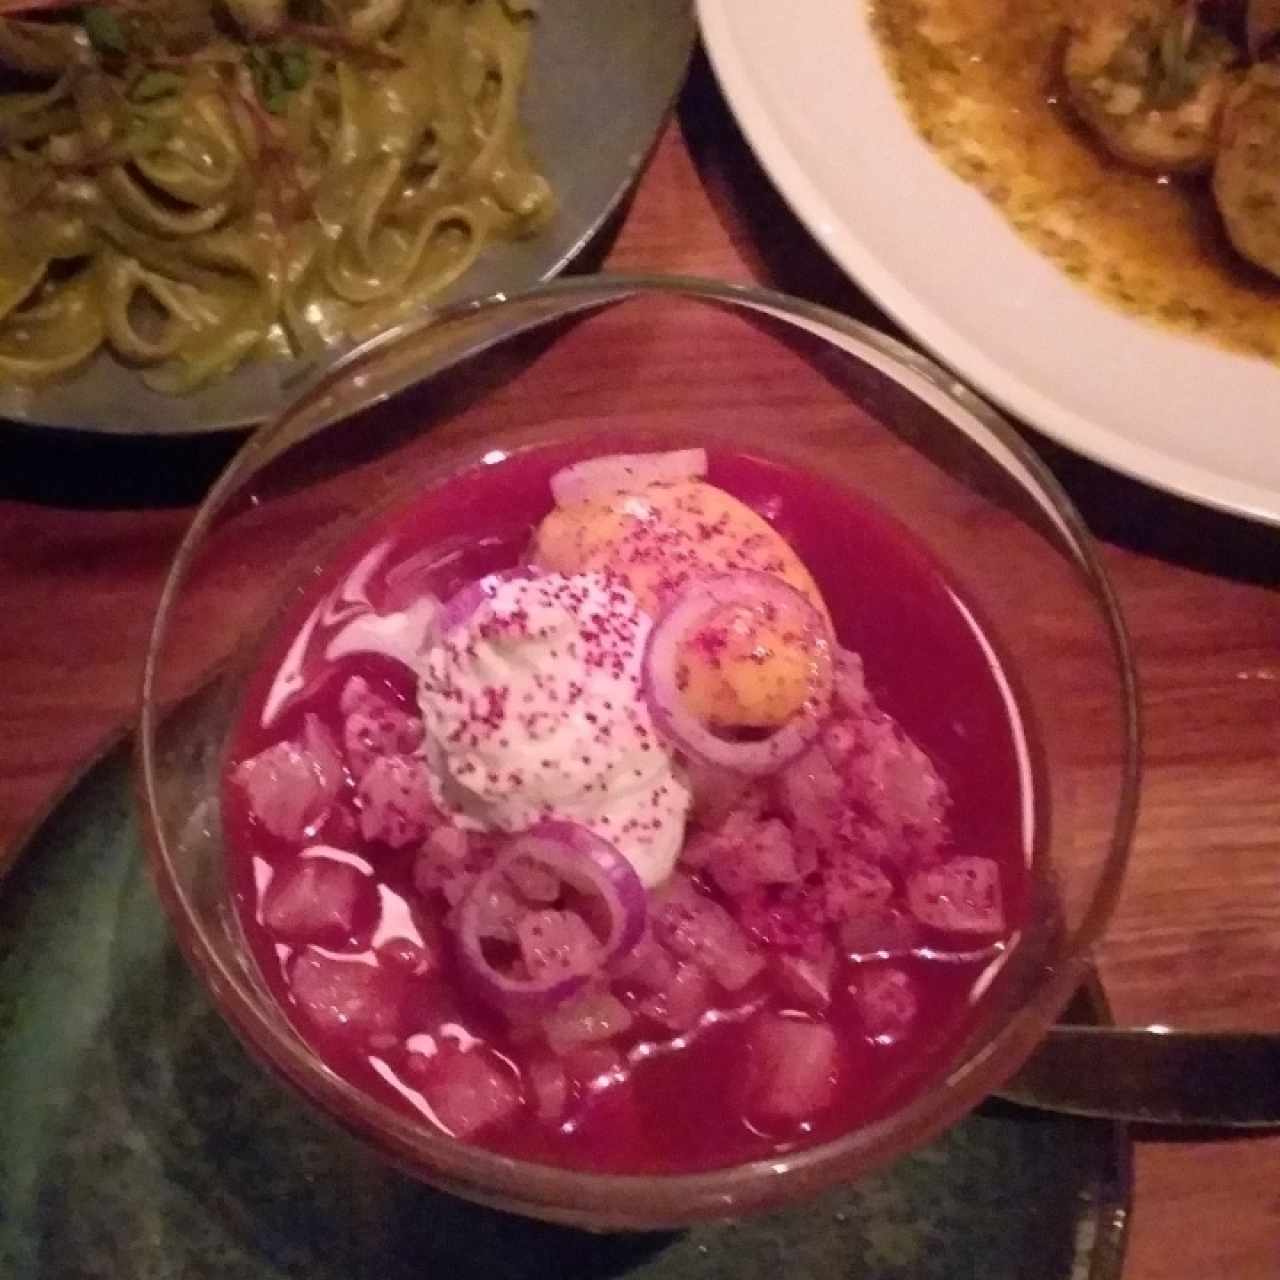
pixel 1155 1075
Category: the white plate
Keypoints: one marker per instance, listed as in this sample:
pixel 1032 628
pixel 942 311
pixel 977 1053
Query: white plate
pixel 807 84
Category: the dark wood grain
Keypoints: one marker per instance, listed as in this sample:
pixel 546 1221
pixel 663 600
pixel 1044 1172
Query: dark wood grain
pixel 87 526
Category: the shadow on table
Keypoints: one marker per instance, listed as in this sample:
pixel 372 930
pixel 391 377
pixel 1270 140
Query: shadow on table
pixel 777 247
pixel 85 470
pixel 1133 515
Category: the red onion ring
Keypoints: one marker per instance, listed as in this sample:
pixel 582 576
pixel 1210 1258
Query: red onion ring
pixel 466 600
pixel 585 862
pixel 625 473
pixel 683 613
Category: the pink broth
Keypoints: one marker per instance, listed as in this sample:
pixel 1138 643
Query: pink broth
pixel 357 952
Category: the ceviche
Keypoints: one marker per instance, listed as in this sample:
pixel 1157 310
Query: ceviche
pixel 637 812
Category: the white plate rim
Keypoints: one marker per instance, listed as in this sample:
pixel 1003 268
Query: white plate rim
pixel 1030 404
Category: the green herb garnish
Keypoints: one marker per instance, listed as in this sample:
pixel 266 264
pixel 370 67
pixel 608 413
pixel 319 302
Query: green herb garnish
pixel 295 68
pixel 278 70
pixel 104 30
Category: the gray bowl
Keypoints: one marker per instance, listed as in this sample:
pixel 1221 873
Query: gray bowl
pixel 601 81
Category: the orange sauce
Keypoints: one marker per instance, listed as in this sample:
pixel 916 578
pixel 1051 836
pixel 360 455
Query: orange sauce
pixel 980 80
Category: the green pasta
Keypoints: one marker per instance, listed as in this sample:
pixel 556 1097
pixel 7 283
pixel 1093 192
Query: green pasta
pixel 195 183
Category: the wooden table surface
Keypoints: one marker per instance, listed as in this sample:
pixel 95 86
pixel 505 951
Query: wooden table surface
pixel 87 527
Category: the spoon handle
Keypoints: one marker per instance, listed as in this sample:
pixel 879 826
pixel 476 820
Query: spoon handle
pixel 1228 1079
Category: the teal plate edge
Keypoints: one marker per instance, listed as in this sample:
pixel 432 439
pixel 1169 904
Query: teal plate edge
pixel 140 1141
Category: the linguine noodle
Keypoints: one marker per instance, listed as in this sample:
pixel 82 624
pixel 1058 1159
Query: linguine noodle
pixel 191 184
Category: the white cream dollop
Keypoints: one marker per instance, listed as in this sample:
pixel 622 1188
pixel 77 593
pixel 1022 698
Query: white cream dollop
pixel 533 709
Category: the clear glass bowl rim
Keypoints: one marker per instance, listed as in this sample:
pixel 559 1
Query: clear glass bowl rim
pixel 639 1200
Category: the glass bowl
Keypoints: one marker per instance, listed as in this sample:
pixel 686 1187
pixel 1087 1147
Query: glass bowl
pixel 667 362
